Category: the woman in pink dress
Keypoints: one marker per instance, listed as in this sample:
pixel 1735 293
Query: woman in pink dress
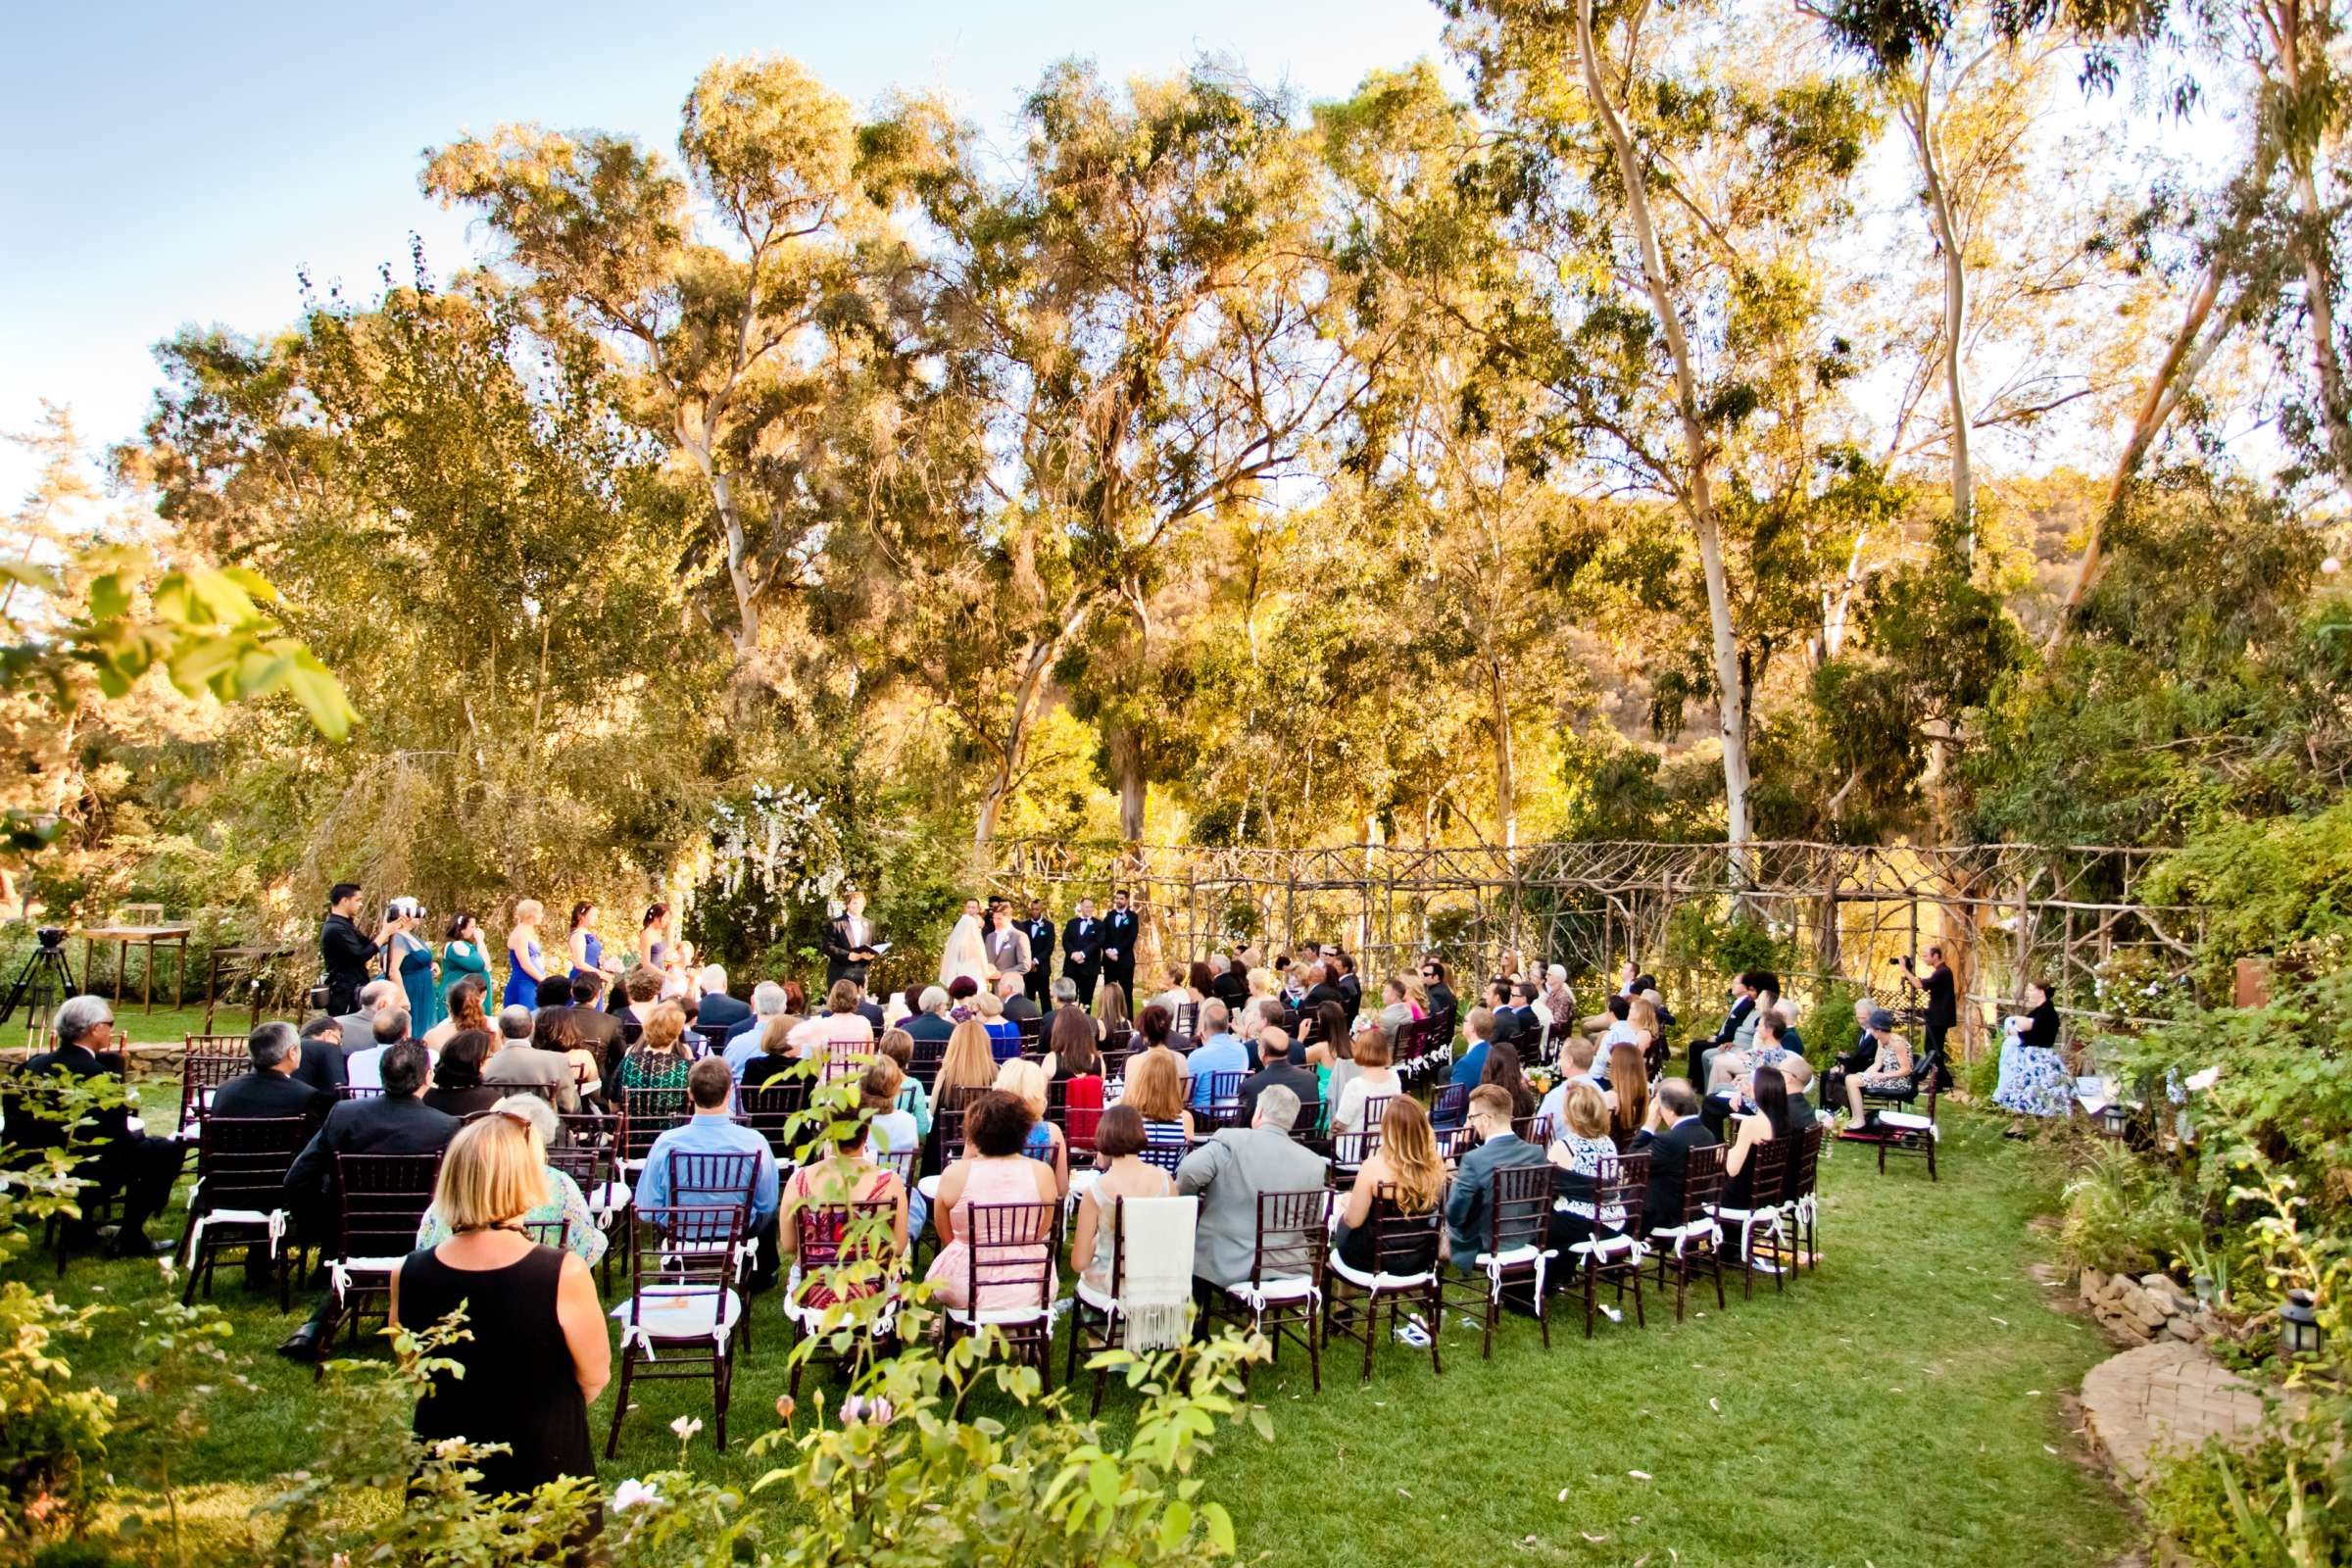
pixel 993 1171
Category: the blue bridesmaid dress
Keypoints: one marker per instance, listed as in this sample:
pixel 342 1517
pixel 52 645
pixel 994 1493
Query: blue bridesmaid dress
pixel 521 990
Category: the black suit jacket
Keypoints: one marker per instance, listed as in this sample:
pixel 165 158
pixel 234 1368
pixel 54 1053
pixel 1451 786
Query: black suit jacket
pixel 1082 951
pixel 599 1031
pixel 1299 1080
pixel 719 1012
pixel 1669 1157
pixel 322 1065
pixel 838 963
pixel 346 957
pixel 1326 992
pixel 1732 1022
pixel 268 1093
pixel 1019 1008
pixel 1041 941
pixel 31 1134
pixel 1125 931
pixel 1232 989
pixel 386 1124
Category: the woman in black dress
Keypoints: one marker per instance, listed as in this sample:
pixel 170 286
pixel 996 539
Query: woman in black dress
pixel 536 1350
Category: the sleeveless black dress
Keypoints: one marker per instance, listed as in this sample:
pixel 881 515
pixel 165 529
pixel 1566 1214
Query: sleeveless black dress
pixel 520 1387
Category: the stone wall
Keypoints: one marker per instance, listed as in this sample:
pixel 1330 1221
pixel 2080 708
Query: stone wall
pixel 2142 1310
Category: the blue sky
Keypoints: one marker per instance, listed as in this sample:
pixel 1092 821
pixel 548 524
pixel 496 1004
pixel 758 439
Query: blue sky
pixel 179 164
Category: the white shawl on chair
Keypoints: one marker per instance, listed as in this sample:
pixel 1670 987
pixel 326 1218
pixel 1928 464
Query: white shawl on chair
pixel 1156 1282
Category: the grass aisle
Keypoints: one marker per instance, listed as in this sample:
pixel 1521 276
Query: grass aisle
pixel 1903 1407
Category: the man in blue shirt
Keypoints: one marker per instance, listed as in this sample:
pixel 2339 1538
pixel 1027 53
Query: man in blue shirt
pixel 743 1041
pixel 1220 1050
pixel 715 1130
pixel 1477 1030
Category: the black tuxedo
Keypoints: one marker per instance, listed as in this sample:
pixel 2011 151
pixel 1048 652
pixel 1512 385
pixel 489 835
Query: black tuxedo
pixel 1299 1080
pixel 839 965
pixel 1669 1157
pixel 268 1093
pixel 1126 929
pixel 1037 984
pixel 346 957
pixel 118 1157
pixel 322 1065
pixel 1082 943
pixel 1232 988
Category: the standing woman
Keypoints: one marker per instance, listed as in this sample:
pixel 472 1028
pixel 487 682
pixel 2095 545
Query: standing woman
pixel 2034 1079
pixel 526 963
pixel 535 1350
pixel 463 955
pixel 652 939
pixel 587 949
pixel 409 959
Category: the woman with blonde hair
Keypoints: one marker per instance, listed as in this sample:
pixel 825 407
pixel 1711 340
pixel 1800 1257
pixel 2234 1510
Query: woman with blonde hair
pixel 660 1060
pixel 1579 1154
pixel 969 1063
pixel 1155 1089
pixel 526 963
pixel 535 1350
pixel 565 1203
pixel 1110 1010
pixel 1407 1171
pixel 1026 1081
pixel 1642 1017
pixel 1628 1094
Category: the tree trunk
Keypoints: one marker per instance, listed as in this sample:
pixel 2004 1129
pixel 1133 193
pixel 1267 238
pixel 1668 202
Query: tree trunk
pixel 1125 746
pixel 1016 734
pixel 2311 251
pixel 1699 496
pixel 1506 789
pixel 739 574
pixel 1916 118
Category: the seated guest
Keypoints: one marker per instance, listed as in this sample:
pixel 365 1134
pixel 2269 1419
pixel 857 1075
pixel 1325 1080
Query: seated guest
pixel 1770 1122
pixel 563 1205
pixel 1504 1073
pixel 1119 1143
pixel 931 1022
pixel 1470 1069
pixel 1274 1049
pixel 1405 1169
pixel 1581 1152
pixel 1503 1021
pixel 1374 1078
pixel 1229 1172
pixel 1155 1025
pixel 840 1030
pixel 1890 1064
pixel 1045 1144
pixel 848 1174
pixel 458 1088
pixel 557 1029
pixel 893 1128
pixel 642 986
pixel 1557 1005
pixel 467 995
pixel 1003 1033
pixel 1576 1067
pixel 774 1058
pixel 960 992
pixel 1070 1050
pixel 271 1087
pixel 1436 983
pixel 743 1041
pixel 1763 1050
pixel 914 1098
pixel 1527 1028
pixel 1469 1220
pixel 366 1068
pixel 1228 983
pixel 1177 994
pixel 1155 1089
pixel 1397 1004
pixel 535 1350
pixel 1330 1052
pixel 376 996
pixel 1110 1010
pixel 1017 1005
pixel 1615 1022
pixel 394 1122
pixel 1220 1050
pixel 1628 1094
pixel 600 1030
pixel 115 1154
pixel 1744 1003
pixel 719 1012
pixel 1675 1129
pixel 994 1169
pixel 871 1012
pixel 321 1064
pixel 659 1059
pixel 1797 1074
pixel 714 1130
pixel 553 991
pixel 519 1063
pixel 971 1062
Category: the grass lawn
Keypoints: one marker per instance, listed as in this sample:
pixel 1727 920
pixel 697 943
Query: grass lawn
pixel 1905 1405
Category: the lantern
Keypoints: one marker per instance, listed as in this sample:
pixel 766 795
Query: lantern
pixel 2298 1325
pixel 2114 1119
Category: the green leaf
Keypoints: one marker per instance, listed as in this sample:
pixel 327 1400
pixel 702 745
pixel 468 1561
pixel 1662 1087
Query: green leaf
pixel 1102 1481
pixel 1220 1526
pixel 1175 1523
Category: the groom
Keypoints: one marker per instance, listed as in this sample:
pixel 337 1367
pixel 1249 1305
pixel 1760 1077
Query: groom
pixel 1007 949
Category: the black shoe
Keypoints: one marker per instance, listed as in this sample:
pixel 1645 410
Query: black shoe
pixel 134 1243
pixel 303 1344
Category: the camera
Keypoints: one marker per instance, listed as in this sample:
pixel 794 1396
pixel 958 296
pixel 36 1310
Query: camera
pixel 53 938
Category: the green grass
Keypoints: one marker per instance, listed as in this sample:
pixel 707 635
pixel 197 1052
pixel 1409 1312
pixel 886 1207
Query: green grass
pixel 1904 1405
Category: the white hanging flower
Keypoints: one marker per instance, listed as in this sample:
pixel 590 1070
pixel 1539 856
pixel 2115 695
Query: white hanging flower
pixel 2199 1082
pixel 634 1494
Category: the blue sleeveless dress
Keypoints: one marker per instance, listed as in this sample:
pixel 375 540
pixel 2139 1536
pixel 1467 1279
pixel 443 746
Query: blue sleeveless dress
pixel 521 990
pixel 595 951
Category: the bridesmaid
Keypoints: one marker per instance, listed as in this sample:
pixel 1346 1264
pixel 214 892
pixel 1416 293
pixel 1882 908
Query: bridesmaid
pixel 587 949
pixel 408 959
pixel 528 965
pixel 462 954
pixel 652 941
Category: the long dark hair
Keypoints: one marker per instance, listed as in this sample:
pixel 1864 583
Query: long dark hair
pixel 1502 1070
pixel 1072 1042
pixel 1200 979
pixel 460 1063
pixel 1330 1029
pixel 1154 1024
pixel 1770 1094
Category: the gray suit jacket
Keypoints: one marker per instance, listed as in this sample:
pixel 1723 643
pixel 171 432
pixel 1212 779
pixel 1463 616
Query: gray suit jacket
pixel 1007 951
pixel 521 1063
pixel 1228 1172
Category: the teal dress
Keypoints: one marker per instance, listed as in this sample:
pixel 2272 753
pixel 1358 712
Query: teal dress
pixel 415 962
pixel 460 960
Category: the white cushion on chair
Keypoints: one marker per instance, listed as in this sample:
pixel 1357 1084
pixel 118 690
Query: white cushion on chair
pixel 1905 1121
pixel 1095 1297
pixel 1743 1217
pixel 928 1186
pixel 1379 1282
pixel 609 1197
pixel 1603 1246
pixel 1514 1257
pixel 682 1312
pixel 1000 1316
pixel 1295 1287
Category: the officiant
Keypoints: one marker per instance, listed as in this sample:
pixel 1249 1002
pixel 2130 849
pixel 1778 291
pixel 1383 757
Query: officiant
pixel 849 942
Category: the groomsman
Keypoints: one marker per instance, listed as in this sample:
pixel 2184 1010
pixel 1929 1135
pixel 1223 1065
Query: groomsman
pixel 1118 947
pixel 1039 929
pixel 1082 951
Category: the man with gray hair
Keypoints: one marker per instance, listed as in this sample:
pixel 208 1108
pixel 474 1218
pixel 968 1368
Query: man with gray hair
pixel 1014 989
pixel 719 1012
pixel 932 1022
pixel 271 1089
pixel 114 1153
pixel 769 1000
pixel 518 1063
pixel 1228 1173
pixel 377 998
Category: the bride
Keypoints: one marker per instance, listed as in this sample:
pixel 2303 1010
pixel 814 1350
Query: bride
pixel 965 953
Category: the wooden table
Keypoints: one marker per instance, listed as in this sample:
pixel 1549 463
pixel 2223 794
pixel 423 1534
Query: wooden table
pixel 149 937
pixel 237 963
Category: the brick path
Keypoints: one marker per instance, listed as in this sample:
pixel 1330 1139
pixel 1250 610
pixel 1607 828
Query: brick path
pixel 2166 1395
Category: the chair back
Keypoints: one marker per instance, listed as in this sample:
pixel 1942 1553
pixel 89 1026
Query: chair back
pixel 846 1236
pixel 681 1271
pixel 1293 1232
pixel 1702 1185
pixel 586 1158
pixel 645 1115
pixel 1452 1105
pixel 846 1064
pixel 1536 1130
pixel 383 1198
pixel 555 1233
pixel 906 1164
pixel 1011 1263
pixel 211 1061
pixel 1403 1244
pixel 1168 1157
pixel 704 1039
pixel 1224 1108
pixel 708 1180
pixel 1804 1166
pixel 585 1127
pixel 1519 1208
pixel 769 1109
pixel 1186 1020
pixel 241 1161
pixel 1767 1184
pixel 360 1092
pixel 1178 1246
pixel 1032 1031
pixel 923 1062
pixel 1621 1191
pixel 947 1120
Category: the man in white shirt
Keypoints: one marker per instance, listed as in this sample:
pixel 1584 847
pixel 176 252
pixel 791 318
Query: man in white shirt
pixel 366 1068
pixel 768 1002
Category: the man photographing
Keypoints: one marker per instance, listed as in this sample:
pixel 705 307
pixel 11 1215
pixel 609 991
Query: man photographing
pixel 345 954
pixel 1943 997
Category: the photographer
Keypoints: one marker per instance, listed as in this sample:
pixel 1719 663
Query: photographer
pixel 1943 997
pixel 346 955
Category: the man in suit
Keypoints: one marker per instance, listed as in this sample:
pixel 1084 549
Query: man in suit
pixel 849 941
pixel 519 1063
pixel 1274 1050
pixel 320 1062
pixel 271 1088
pixel 1017 1005
pixel 1228 1173
pixel 1744 1003
pixel 113 1151
pixel 1797 1073
pixel 1082 951
pixel 1322 985
pixel 600 1030
pixel 1008 948
pixel 1674 1131
pixel 1039 929
pixel 1123 929
pixel 933 1022
pixel 395 1122
pixel 345 954
pixel 1505 1027
pixel 871 1012
pixel 375 999
pixel 1479 1030
pixel 1228 983
pixel 1527 1024
pixel 718 1012
pixel 1469 1206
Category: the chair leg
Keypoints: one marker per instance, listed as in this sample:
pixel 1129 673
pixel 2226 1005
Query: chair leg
pixel 1436 1317
pixel 620 1404
pixel 720 1383
pixel 1543 1320
pixel 1592 1291
pixel 1314 1353
pixel 1715 1258
pixel 1640 1318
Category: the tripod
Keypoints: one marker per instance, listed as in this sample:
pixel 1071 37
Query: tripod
pixel 46 980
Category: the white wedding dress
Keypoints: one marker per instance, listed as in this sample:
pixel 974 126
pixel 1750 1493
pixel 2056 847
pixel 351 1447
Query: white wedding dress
pixel 965 953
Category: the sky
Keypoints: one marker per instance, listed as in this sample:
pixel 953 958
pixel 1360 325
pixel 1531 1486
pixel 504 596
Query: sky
pixel 181 165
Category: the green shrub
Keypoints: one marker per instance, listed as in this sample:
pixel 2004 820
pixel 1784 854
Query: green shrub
pixel 2124 1214
pixel 1829 1029
pixel 2284 1503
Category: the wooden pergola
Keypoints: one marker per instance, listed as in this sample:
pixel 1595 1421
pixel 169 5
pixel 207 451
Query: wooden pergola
pixel 2003 913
